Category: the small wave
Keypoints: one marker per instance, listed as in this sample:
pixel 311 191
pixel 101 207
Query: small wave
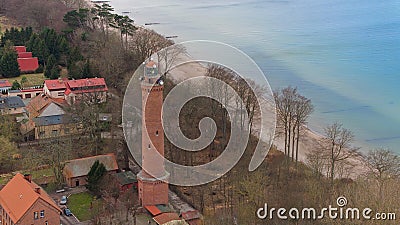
pixel 349 109
pixel 383 139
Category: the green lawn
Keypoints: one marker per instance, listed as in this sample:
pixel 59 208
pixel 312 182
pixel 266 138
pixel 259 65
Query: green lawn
pixel 32 79
pixel 79 204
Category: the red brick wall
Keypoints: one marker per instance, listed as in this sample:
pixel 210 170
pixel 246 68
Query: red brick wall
pixel 153 193
pixel 152 120
pixel 51 215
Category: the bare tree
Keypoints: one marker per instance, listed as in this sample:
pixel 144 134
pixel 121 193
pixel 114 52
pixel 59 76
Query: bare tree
pixel 338 143
pixel 147 42
pixel 293 111
pixel 168 56
pixel 302 110
pixel 383 165
pixel 284 101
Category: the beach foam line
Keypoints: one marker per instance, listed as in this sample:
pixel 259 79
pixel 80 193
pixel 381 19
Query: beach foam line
pixel 382 139
pixel 348 109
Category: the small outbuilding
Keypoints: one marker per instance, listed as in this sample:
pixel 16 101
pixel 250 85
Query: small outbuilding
pixel 125 180
pixel 76 171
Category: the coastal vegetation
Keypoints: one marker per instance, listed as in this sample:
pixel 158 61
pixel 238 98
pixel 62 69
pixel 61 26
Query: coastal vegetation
pixel 93 41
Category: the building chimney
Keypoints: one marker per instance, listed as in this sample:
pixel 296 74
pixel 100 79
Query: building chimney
pixel 28 177
pixel 37 190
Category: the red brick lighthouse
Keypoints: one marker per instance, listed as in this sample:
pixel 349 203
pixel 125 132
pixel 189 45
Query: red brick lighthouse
pixel 152 180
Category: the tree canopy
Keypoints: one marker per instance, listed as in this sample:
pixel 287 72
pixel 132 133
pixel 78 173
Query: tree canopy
pixel 96 173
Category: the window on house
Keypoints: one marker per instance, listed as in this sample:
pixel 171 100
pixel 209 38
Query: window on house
pixel 42 214
pixel 54 132
pixel 66 130
pixel 35 215
pixel 41 133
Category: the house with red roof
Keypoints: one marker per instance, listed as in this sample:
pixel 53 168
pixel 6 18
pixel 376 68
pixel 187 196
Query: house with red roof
pixel 27 63
pixel 89 89
pixel 55 88
pixel 24 202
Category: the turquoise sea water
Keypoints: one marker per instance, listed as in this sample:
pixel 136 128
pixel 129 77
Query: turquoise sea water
pixel 343 54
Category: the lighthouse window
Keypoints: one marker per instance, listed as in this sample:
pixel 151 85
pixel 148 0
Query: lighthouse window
pixel 149 146
pixel 157 133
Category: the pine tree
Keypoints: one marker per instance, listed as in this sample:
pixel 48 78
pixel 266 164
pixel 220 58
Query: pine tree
pixel 86 71
pixel 8 63
pixel 51 63
pixel 55 73
pixel 96 173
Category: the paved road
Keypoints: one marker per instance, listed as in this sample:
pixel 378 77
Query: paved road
pixel 67 220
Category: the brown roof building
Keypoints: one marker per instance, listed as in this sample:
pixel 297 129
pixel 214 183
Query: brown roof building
pixel 76 171
pixel 47 119
pixel 24 202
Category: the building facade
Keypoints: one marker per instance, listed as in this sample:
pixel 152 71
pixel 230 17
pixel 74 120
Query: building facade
pixel 11 106
pixel 22 202
pixel 88 90
pixel 152 179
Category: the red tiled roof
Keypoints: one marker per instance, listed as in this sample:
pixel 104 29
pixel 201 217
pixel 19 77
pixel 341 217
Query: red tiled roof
pixel 67 92
pixel 32 90
pixel 18 196
pixel 24 54
pixel 20 49
pixel 191 215
pixel 153 210
pixel 55 84
pixel 166 217
pixel 89 82
pixel 86 85
pixel 28 64
pixel 5 83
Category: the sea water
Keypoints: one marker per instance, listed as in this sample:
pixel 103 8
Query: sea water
pixel 342 54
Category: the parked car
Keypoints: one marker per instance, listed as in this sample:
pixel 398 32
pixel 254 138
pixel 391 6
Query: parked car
pixel 63 200
pixel 67 212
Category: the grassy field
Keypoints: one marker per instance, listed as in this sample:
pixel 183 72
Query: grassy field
pixel 80 205
pixel 32 79
pixel 36 174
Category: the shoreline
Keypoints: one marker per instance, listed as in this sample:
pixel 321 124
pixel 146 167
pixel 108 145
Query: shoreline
pixel 309 139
